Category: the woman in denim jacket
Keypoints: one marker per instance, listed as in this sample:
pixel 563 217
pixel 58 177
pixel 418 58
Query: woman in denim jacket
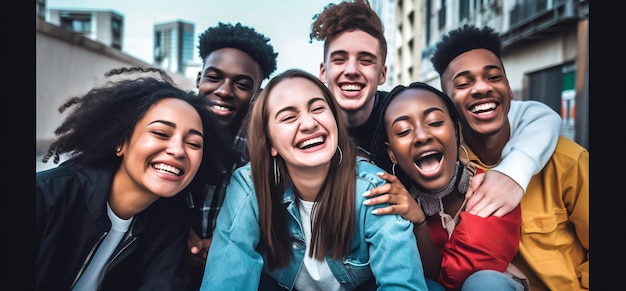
pixel 295 213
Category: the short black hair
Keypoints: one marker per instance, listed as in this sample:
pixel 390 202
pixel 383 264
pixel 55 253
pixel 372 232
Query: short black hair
pixel 464 39
pixel 241 37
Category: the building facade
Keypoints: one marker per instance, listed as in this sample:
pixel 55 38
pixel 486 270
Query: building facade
pixel 174 45
pixel 104 26
pixel 545 48
pixel 69 63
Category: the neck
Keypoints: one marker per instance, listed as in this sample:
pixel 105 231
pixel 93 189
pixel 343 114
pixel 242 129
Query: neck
pixel 308 181
pixel 488 148
pixel 358 117
pixel 429 200
pixel 125 199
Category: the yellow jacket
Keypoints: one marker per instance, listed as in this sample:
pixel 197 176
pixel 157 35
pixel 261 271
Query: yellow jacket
pixel 554 244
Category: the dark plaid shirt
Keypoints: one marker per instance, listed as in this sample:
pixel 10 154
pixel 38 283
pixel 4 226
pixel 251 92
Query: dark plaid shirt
pixel 207 202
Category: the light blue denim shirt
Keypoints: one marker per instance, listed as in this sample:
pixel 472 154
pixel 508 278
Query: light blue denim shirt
pixel 383 246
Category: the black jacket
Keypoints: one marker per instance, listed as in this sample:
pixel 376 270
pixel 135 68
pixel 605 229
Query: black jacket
pixel 71 221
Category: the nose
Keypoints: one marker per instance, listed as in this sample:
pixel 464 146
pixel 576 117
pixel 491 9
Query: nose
pixel 421 136
pixel 352 67
pixel 307 122
pixel 176 148
pixel 481 87
pixel 225 89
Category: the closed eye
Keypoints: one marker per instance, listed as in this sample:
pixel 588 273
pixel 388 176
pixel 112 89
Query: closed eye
pixel 404 132
pixel 195 145
pixel 160 134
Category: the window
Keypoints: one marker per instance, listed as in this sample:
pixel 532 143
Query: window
pixel 77 22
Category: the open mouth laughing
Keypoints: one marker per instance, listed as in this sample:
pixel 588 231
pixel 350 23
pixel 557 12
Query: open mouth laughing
pixel 311 142
pixel 163 168
pixel 429 161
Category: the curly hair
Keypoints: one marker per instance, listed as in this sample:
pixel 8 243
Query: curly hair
pixel 105 117
pixel 241 37
pixel 464 39
pixel 379 149
pixel 347 16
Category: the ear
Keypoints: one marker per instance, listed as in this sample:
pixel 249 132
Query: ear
pixel 119 150
pixel 198 79
pixel 322 75
pixel 392 157
pixel 383 76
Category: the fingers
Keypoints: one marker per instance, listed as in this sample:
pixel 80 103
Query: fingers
pixel 199 250
pixel 194 250
pixel 496 195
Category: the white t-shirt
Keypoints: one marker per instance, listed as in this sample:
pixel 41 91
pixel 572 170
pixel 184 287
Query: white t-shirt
pixel 89 279
pixel 314 275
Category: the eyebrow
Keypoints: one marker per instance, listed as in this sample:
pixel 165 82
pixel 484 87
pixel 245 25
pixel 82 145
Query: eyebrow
pixel 293 108
pixel 359 54
pixel 173 125
pixel 467 72
pixel 426 112
pixel 238 76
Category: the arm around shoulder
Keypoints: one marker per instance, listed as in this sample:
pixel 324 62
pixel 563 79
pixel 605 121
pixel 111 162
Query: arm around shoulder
pixel 534 134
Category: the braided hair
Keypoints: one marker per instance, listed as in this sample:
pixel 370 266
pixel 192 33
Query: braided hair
pixel 379 149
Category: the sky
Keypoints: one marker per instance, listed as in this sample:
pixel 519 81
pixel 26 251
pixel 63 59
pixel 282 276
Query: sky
pixel 285 22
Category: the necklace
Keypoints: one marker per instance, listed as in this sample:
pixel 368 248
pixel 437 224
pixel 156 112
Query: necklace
pixel 468 159
pixel 490 166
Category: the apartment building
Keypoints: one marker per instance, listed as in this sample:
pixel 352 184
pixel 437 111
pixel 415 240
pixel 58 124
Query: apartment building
pixel 174 45
pixel 545 48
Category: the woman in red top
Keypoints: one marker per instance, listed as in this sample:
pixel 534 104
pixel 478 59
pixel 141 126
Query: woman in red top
pixel 419 131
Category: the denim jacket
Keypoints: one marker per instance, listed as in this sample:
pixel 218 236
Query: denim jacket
pixel 383 246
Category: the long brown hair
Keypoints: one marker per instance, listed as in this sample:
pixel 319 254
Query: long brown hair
pixel 334 214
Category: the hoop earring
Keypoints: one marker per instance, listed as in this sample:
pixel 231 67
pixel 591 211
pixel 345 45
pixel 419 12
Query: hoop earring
pixel 276 173
pixel 340 156
pixel 393 169
pixel 466 155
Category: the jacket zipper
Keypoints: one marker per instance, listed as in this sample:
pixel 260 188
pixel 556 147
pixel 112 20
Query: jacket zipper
pixel 88 258
pixel 105 268
pixel 128 240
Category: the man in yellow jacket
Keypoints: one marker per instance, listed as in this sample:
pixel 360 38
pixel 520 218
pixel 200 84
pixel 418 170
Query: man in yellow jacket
pixel 554 244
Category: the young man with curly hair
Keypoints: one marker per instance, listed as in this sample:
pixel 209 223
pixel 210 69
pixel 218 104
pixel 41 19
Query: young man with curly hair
pixel 554 243
pixel 236 59
pixel 355 51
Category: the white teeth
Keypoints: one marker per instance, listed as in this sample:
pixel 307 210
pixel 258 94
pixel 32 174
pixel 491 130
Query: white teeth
pixel 351 87
pixel 167 168
pixel 427 154
pixel 311 141
pixel 222 108
pixel 484 107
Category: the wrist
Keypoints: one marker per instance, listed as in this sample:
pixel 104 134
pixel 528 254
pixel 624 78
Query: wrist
pixel 419 223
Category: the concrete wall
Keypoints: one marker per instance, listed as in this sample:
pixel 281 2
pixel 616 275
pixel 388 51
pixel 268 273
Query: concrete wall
pixel 69 65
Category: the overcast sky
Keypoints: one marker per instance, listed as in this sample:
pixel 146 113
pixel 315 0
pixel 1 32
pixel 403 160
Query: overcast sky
pixel 285 22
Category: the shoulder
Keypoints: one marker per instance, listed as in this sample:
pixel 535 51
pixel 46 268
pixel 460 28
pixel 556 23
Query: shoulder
pixel 531 107
pixel 68 174
pixel 567 148
pixel 243 171
pixel 64 172
pixel 369 172
pixel 241 179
